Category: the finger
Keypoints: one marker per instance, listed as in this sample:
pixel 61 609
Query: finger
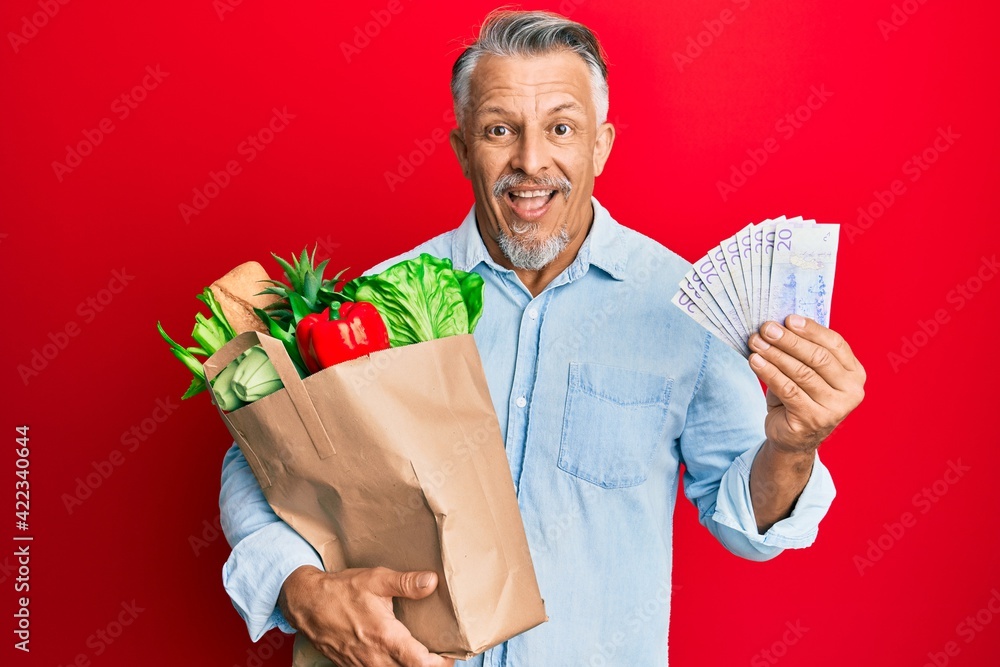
pixel 390 583
pixel 406 650
pixel 809 364
pixel 341 660
pixel 791 395
pixel 828 338
pixel 813 384
pixel 376 658
pixel 771 400
pixel 435 660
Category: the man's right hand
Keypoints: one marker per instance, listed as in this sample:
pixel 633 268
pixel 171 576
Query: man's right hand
pixel 348 615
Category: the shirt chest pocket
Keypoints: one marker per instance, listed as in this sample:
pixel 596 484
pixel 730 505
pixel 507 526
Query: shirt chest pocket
pixel 613 422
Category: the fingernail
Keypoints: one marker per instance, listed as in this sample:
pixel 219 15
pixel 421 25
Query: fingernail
pixel 424 580
pixel 796 321
pixel 759 343
pixel 773 331
pixel 757 360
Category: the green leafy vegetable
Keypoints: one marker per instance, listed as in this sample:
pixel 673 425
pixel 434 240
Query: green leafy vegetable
pixel 255 377
pixel 185 356
pixel 209 300
pixel 285 332
pixel 211 333
pixel 225 395
pixel 422 299
pixel 471 285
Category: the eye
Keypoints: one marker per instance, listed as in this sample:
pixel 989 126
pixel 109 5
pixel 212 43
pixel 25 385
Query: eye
pixel 497 131
pixel 561 129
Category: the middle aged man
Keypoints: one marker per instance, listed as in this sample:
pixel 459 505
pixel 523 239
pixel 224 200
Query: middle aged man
pixel 601 386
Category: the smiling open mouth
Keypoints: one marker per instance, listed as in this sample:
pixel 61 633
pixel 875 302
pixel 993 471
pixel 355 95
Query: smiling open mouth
pixel 530 204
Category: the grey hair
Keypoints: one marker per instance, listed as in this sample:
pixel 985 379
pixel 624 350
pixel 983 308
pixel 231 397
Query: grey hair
pixel 509 33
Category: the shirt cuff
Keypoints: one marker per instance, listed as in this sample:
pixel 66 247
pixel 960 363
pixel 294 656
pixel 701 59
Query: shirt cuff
pixel 256 570
pixel 734 507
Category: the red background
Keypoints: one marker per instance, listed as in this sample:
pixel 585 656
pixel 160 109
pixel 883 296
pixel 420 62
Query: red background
pixel 323 179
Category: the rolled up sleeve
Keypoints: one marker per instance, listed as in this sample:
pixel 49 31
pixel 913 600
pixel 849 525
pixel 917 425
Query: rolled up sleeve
pixel 723 432
pixel 734 507
pixel 265 549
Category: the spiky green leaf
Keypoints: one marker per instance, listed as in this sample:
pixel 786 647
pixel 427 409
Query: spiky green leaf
pixel 299 307
pixel 320 268
pixel 310 289
pixel 182 354
pixel 210 333
pixel 209 300
pixel 196 387
pixel 286 334
pixel 290 273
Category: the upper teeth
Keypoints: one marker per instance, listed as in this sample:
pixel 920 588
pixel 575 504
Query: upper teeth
pixel 533 193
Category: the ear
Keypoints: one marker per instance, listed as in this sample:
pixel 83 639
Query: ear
pixel 602 148
pixel 458 145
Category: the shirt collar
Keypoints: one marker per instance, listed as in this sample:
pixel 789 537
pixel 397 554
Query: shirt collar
pixel 604 246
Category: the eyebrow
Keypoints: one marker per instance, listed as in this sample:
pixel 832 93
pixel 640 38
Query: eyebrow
pixel 566 106
pixel 485 111
pixel 500 111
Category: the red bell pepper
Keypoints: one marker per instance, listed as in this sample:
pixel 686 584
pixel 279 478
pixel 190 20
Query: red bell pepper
pixel 302 337
pixel 357 330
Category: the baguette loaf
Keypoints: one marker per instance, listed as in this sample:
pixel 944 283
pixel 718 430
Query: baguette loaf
pixel 236 293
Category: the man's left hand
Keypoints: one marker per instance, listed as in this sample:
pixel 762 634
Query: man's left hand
pixel 813 381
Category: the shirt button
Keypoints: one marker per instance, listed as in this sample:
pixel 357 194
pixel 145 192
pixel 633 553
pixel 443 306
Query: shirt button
pixel 521 401
pixel 533 313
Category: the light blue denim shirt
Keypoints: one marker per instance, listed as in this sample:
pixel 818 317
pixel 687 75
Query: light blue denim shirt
pixel 603 389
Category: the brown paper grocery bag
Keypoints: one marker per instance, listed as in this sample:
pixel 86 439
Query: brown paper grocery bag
pixel 396 460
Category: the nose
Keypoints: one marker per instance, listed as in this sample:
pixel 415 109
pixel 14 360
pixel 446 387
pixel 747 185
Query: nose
pixel 532 153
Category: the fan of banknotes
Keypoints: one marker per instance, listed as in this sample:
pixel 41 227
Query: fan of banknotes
pixel 764 272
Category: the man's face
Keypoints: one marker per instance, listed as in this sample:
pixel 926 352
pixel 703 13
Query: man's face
pixel 532 148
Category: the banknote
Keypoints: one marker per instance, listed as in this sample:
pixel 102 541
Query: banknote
pixel 698 296
pixel 745 237
pixel 764 266
pixel 685 303
pixel 715 281
pixel 765 271
pixel 759 238
pixel 802 272
pixel 720 260
pixel 731 249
